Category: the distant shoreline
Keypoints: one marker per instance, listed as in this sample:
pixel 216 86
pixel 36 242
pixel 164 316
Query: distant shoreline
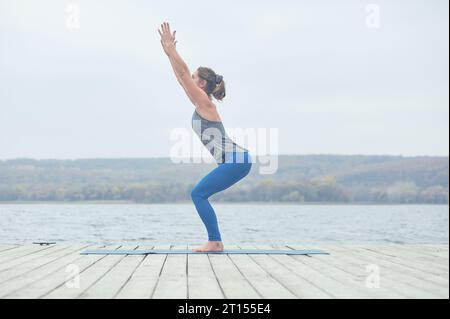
pixel 124 202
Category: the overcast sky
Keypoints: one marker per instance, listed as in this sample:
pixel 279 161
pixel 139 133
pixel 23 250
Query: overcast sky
pixel 331 76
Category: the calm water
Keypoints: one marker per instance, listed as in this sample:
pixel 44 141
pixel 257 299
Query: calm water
pixel 239 224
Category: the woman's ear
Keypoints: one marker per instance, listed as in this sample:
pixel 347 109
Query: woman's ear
pixel 203 83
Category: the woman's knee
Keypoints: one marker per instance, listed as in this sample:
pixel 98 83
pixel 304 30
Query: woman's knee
pixel 245 170
pixel 248 168
pixel 197 193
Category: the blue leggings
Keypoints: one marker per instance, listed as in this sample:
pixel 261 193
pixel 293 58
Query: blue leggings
pixel 236 166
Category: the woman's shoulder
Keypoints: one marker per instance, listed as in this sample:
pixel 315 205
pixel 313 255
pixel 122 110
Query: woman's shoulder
pixel 208 113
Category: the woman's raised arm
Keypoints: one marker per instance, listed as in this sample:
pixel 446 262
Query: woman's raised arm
pixel 197 96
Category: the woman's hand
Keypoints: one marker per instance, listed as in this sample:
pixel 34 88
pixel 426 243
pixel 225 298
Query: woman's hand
pixel 167 39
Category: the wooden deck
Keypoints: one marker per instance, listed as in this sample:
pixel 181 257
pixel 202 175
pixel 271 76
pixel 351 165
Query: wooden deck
pixel 370 271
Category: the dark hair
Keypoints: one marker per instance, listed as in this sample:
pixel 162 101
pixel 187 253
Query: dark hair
pixel 215 84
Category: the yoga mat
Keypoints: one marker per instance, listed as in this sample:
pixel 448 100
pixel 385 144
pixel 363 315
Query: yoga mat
pixel 182 251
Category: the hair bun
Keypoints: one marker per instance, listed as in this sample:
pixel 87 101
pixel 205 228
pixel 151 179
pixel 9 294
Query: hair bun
pixel 219 79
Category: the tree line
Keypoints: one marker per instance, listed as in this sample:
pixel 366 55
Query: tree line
pixel 299 178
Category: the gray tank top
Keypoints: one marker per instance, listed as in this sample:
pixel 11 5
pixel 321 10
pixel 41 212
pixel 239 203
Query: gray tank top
pixel 213 136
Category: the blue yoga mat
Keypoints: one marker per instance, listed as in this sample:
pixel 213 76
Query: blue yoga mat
pixel 183 251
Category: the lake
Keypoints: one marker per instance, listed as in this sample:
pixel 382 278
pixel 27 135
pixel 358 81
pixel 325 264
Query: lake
pixel 239 224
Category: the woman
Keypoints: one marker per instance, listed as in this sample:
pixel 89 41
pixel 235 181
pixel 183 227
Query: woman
pixel 234 161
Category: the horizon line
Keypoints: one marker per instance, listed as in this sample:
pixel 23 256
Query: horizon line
pixel 180 157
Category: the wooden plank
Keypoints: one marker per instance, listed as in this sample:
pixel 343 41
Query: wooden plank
pixel 234 285
pixel 4 248
pixel 338 265
pixel 384 254
pixel 62 271
pixel 259 278
pixel 417 287
pixel 16 286
pixel 172 283
pixel 67 275
pixel 298 285
pixel 346 259
pixel 144 279
pixel 416 253
pixel 430 248
pixel 416 281
pixel 421 277
pixel 348 276
pixel 405 272
pixel 19 249
pixel 327 282
pixel 408 250
pixel 21 265
pixel 108 286
pixel 88 277
pixel 202 282
pixel 21 252
pixel 387 275
pixel 405 261
pixel 440 251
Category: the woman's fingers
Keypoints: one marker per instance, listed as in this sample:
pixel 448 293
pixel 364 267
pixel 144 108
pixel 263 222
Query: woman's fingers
pixel 165 33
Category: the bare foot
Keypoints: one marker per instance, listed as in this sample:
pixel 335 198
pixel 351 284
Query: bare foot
pixel 210 246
